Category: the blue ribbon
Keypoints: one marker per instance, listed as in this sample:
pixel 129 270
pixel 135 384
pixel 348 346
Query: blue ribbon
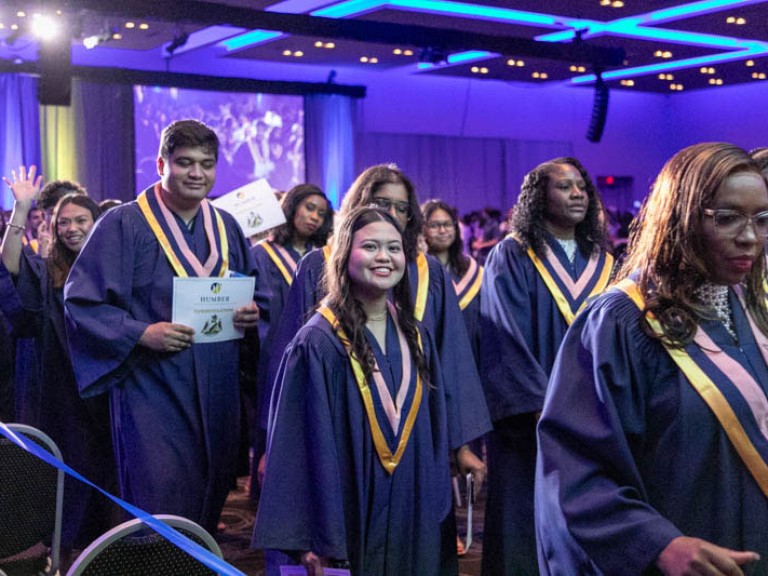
pixel 192 548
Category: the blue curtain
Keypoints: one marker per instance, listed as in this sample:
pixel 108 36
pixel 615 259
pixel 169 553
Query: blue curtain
pixel 19 128
pixel 330 152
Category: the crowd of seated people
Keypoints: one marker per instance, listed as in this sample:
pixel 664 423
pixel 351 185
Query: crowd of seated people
pixel 589 367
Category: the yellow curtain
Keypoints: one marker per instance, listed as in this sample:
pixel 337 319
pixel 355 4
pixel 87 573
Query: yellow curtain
pixel 61 129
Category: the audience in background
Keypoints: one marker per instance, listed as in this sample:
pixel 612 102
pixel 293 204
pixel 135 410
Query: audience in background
pixel 536 281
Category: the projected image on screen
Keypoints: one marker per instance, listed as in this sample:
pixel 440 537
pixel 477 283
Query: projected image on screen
pixel 261 135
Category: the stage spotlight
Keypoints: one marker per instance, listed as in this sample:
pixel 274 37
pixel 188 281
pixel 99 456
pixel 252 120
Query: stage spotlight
pixel 44 27
pixel 599 110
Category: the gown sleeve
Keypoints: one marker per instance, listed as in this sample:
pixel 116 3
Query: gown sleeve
pixel 513 379
pixel 302 466
pixel 592 504
pixel 102 334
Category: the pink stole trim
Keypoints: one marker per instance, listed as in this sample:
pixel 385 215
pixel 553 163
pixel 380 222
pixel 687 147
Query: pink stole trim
pixel 467 278
pixel 213 258
pixel 393 409
pixel 574 288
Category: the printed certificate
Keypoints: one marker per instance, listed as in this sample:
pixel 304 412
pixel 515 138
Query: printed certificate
pixel 208 305
pixel 254 206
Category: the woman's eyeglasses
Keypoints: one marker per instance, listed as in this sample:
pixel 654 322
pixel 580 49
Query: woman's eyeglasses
pixel 730 223
pixel 402 208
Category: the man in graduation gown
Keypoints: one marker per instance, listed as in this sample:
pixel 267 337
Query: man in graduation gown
pixel 174 402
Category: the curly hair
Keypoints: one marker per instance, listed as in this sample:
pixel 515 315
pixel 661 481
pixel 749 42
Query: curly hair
pixel 528 221
pixel 349 311
pixel 457 260
pixel 667 246
pixel 364 188
pixel 61 258
pixel 55 190
pixel 290 202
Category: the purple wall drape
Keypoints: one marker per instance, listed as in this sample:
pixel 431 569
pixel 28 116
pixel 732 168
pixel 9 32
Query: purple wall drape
pixel 19 128
pixel 106 138
pixel 469 173
pixel 329 122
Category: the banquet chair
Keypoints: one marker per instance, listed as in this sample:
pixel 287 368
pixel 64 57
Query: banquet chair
pixel 133 549
pixel 31 499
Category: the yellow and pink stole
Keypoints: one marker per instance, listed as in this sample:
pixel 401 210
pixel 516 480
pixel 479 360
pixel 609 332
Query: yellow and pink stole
pixel 725 385
pixel 171 239
pixel 281 258
pixel 572 296
pixel 392 408
pixel 469 285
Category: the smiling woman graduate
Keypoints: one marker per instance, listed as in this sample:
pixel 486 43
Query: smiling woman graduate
pixel 357 470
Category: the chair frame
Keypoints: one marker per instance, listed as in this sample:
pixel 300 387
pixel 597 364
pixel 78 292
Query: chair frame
pixel 31 432
pixel 130 527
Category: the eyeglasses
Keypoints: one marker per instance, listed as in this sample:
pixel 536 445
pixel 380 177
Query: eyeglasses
pixel 730 223
pixel 447 225
pixel 402 208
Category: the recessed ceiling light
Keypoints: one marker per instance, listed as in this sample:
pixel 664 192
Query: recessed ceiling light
pixel 666 76
pixel 319 44
pixel 329 45
pixel 130 25
pixel 21 14
pixel 676 87
pixel 617 4
pixel 750 63
pixel 144 26
pixel 298 54
pixel 627 82
pixel 287 53
pixel 758 75
pixel 407 52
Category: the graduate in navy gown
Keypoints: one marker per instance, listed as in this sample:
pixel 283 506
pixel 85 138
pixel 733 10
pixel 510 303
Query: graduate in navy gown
pixel 357 469
pixel 174 401
pixel 80 427
pixel 443 239
pixel 653 439
pixel 309 221
pixel 435 305
pixel 536 280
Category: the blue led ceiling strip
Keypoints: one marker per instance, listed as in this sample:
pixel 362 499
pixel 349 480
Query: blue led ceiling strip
pixel 634 27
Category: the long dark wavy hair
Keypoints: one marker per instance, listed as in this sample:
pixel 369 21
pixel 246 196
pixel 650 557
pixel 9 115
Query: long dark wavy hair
pixel 667 244
pixel 528 221
pixel 370 181
pixel 285 234
pixel 457 260
pixel 61 258
pixel 349 311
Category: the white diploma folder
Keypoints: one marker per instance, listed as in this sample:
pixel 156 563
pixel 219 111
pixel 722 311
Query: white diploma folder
pixel 208 305
pixel 254 206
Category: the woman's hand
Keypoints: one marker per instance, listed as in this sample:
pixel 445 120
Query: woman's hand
pixel 44 240
pixel 468 462
pixel 25 187
pixel 691 556
pixel 313 563
pixel 246 317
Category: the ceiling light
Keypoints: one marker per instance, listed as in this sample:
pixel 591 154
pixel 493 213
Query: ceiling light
pixel 364 59
pixel 144 26
pixel 44 27
pixel 287 53
pixel 750 63
pixel 758 75
pixel 617 4
pixel 298 54
pixel 130 25
pixel 318 44
pixel 627 82
pixel 676 87
pixel 21 14
pixel 329 45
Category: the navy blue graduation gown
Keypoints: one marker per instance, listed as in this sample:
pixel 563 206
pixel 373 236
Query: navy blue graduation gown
pixel 325 489
pixel 631 456
pixel 80 427
pixel 522 329
pixel 271 295
pixel 467 413
pixel 175 416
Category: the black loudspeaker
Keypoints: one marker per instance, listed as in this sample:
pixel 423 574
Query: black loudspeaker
pixel 599 111
pixel 54 87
